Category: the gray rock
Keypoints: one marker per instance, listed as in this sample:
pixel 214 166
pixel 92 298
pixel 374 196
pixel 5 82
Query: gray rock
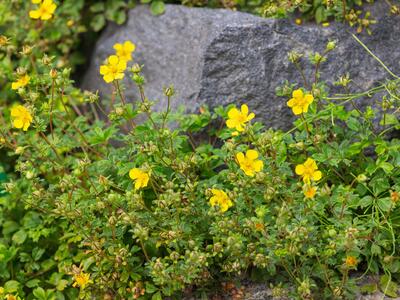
pixel 217 57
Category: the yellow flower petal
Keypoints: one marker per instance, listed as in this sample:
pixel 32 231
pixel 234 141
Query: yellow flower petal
pixel 15 85
pixel 252 154
pixel 258 165
pixel 233 113
pixel 291 102
pixel 18 123
pixel 297 110
pixel 231 123
pixel 113 60
pixel 134 173
pixel 108 78
pixel 309 98
pixel 46 16
pixel 129 46
pixel 34 14
pixel 300 169
pixel 298 93
pixel 250 117
pixel 317 175
pixel 244 109
pixel 104 69
pixel 240 157
pixel 117 47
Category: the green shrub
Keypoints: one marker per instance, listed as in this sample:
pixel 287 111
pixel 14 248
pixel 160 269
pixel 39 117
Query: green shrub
pixel 104 207
pixel 165 210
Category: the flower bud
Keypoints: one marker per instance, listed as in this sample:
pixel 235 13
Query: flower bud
pixel 46 60
pixel 3 40
pixel 331 45
pixel 294 56
pixel 362 178
pixel 53 73
pixel 26 50
pixel 29 175
pixel 169 92
pixel 19 150
pixel 136 68
pixel 139 80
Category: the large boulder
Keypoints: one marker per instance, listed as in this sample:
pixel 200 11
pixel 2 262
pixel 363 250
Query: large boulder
pixel 216 56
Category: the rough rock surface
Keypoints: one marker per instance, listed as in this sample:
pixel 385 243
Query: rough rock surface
pixel 216 56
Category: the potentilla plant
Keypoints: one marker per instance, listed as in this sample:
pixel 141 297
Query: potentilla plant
pixel 165 210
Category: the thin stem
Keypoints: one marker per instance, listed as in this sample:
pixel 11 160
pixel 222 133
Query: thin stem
pixel 50 144
pixel 51 109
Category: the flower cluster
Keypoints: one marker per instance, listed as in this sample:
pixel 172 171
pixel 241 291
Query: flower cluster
pixel 116 64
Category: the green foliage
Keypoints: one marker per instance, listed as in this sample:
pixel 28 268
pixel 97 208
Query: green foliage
pixel 71 207
pixel 68 206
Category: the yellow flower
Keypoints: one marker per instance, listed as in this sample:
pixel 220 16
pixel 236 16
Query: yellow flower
pixel 259 226
pixel 298 21
pixel 82 280
pixel 238 119
pixel 22 117
pixel 3 40
pixel 310 191
pixel 45 11
pixel 309 171
pixel 10 297
pixel 114 69
pixel 221 199
pixel 141 178
pixel 394 196
pixel 249 162
pixel 21 82
pixel 300 102
pixel 124 51
pixel 351 261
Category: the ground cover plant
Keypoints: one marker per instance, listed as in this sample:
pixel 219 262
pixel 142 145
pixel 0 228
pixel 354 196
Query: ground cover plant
pixel 98 205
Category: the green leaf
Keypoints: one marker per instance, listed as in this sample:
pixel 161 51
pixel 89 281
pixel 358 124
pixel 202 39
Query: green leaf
pixel 40 293
pixel 9 227
pixel 389 119
pixel 320 15
pixel 32 283
pixel 157 7
pixel 385 204
pixel 369 288
pixel 98 7
pixel 11 286
pixel 19 237
pixel 387 167
pixel 98 22
pixel 365 201
pixel 119 17
pixel 387 286
pixel 157 296
pixel 375 249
